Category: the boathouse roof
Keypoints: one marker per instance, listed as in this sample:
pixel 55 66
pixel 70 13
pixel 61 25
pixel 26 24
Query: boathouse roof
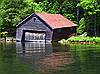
pixel 56 20
pixel 53 20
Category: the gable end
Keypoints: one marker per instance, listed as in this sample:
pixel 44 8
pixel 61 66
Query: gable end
pixel 25 20
pixel 29 17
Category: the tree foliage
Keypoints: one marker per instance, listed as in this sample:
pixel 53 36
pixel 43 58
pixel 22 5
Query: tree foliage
pixel 90 6
pixel 81 27
pixel 64 7
pixel 13 11
pixel 91 9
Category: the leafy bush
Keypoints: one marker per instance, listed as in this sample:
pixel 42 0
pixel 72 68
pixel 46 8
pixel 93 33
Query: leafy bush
pixel 80 39
pixel 3 34
pixel 97 39
pixel 81 26
pixel 84 39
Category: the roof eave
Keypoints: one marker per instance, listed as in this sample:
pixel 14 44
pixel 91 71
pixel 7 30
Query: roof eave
pixel 24 20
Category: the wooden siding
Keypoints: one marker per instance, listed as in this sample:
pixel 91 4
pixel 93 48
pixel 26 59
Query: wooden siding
pixel 63 33
pixel 33 24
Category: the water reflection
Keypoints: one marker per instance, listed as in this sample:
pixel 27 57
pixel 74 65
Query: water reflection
pixel 44 57
pixel 32 52
pixel 87 59
pixel 40 58
pixel 33 48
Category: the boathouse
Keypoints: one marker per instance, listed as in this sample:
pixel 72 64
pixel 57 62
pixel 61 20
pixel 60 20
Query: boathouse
pixel 44 27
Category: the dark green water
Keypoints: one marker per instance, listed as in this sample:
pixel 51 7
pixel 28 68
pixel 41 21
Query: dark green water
pixel 39 58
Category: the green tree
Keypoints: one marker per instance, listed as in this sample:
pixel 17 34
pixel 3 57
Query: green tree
pixel 64 7
pixel 13 11
pixel 81 27
pixel 10 12
pixel 91 9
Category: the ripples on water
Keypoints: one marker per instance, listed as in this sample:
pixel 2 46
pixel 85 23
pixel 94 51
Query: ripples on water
pixel 40 58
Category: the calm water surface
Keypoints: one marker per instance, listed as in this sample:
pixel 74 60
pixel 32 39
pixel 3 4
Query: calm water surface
pixel 40 58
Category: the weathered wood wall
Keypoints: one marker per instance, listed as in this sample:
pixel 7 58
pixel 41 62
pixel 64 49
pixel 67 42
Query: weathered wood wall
pixel 63 33
pixel 34 24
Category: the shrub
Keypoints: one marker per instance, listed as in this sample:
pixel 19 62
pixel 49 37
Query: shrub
pixel 80 39
pixel 81 27
pixel 3 34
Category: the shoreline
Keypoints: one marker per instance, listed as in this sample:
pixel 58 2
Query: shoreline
pixel 64 42
pixel 7 39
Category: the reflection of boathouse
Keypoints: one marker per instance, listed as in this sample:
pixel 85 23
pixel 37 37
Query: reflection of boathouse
pixel 32 52
pixel 33 48
pixel 44 57
pixel 44 27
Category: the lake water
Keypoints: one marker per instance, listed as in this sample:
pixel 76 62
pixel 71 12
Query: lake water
pixel 40 58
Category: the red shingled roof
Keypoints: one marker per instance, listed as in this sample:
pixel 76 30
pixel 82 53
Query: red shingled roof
pixel 56 20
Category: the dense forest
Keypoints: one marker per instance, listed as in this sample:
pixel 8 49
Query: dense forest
pixel 85 13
